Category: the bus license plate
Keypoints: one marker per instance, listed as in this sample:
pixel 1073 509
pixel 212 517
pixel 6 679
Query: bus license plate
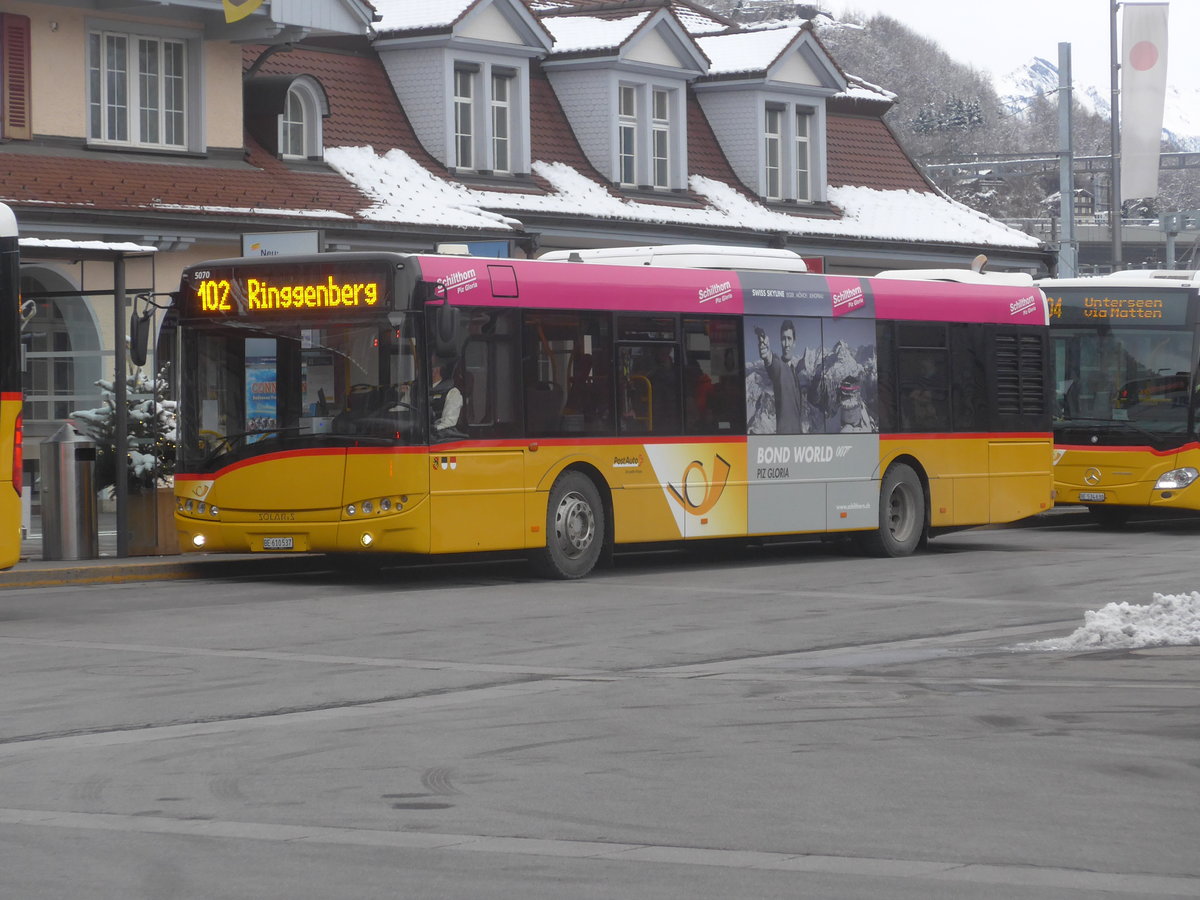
pixel 277 543
pixel 1092 496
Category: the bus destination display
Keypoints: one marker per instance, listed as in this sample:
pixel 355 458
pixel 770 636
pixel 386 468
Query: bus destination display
pixel 260 291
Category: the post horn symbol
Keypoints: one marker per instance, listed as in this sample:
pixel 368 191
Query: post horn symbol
pixel 236 10
pixel 714 487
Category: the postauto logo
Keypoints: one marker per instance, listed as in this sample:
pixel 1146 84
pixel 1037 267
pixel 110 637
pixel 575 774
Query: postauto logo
pixel 236 10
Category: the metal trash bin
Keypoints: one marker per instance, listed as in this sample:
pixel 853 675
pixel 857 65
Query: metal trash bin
pixel 70 524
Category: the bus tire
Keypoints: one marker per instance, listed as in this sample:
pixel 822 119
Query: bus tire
pixel 901 514
pixel 575 529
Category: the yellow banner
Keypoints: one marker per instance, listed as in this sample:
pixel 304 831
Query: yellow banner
pixel 236 10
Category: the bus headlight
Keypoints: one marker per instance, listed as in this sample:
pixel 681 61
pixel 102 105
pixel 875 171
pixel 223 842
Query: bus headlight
pixel 198 541
pixel 367 539
pixel 1176 479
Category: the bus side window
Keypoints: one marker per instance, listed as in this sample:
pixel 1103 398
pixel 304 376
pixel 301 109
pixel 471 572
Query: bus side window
pixel 648 388
pixel 490 375
pixel 924 377
pixel 566 371
pixel 714 384
pixel 968 362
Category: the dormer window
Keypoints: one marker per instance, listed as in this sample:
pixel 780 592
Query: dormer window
pixel 484 107
pixel 645 136
pixel 300 125
pixel 462 75
pixel 787 163
pixel 285 113
pixel 775 84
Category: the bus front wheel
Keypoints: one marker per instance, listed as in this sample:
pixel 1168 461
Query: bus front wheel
pixel 574 529
pixel 901 514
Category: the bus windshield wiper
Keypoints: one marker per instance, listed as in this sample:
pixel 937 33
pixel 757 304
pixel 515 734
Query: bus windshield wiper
pixel 1109 426
pixel 228 443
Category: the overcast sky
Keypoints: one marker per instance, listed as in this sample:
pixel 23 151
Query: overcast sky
pixel 1002 36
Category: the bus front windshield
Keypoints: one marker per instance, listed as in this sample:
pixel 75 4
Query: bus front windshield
pixel 250 391
pixel 1124 380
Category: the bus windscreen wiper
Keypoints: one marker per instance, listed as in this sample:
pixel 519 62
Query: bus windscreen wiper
pixel 1109 426
pixel 227 443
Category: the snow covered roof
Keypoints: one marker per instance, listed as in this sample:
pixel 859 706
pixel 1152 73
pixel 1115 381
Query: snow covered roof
pixel 574 33
pixel 404 191
pixel 748 51
pixel 694 18
pixel 404 15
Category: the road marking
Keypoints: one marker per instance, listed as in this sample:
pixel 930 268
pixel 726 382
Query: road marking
pixel 286 656
pixel 1142 885
pixel 135 734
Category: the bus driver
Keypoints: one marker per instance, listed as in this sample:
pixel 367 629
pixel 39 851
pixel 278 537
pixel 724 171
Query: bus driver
pixel 445 398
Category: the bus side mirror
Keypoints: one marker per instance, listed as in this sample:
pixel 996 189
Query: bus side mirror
pixel 139 336
pixel 447 323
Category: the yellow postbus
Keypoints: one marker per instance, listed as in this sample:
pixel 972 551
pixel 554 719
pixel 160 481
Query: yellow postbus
pixel 10 391
pixel 394 403
pixel 1125 362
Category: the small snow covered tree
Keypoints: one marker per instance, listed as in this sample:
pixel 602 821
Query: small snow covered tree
pixel 151 431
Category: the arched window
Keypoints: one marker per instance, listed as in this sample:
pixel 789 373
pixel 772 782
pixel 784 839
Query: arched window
pixel 64 358
pixel 300 121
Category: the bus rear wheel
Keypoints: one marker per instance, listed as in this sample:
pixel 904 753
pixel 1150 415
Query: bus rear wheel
pixel 575 529
pixel 901 514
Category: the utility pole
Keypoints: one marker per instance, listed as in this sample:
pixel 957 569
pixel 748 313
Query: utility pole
pixel 1114 109
pixel 1068 262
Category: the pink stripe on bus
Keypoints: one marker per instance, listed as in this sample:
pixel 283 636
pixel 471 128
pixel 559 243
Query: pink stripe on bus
pixel 954 302
pixel 470 280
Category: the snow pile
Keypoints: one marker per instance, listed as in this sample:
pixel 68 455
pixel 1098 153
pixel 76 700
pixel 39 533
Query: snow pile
pixel 1171 620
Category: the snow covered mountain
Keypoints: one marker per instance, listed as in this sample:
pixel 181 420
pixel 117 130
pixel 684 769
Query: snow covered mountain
pixel 1181 113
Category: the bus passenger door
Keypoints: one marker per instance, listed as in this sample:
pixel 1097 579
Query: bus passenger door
pixel 477 474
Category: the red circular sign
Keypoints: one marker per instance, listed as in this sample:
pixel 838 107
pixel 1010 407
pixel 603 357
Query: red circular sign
pixel 1143 56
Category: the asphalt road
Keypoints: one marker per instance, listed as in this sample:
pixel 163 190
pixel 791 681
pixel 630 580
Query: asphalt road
pixel 744 723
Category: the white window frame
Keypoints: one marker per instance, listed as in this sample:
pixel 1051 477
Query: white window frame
pixel 300 124
pixel 132 105
pixel 660 138
pixel 788 165
pixel 772 187
pixel 802 160
pixel 502 120
pixel 627 135
pixel 649 143
pixel 487 131
pixel 466 80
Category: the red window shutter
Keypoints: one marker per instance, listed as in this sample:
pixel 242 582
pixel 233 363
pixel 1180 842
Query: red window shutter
pixel 16 123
